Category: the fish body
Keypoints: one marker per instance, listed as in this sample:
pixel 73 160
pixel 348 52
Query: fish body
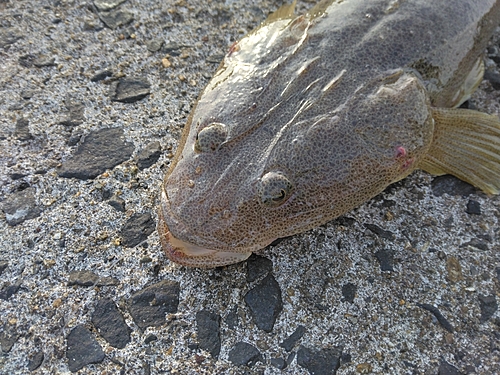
pixel 308 117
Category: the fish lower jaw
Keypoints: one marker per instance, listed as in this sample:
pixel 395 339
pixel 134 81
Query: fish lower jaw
pixel 192 256
pixel 187 254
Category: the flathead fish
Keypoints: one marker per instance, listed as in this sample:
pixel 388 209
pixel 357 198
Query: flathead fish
pixel 309 116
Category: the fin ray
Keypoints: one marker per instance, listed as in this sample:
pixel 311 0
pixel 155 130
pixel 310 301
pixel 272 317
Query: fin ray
pixel 466 144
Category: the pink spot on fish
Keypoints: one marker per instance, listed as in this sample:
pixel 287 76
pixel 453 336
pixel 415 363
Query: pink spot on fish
pixel 400 152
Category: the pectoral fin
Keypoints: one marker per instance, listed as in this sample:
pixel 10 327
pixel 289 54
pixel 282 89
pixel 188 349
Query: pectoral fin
pixel 466 144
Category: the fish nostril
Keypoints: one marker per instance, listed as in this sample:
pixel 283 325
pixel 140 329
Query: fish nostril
pixel 274 189
pixel 211 137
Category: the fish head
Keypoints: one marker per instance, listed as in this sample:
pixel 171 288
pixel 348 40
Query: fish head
pixel 245 175
pixel 275 147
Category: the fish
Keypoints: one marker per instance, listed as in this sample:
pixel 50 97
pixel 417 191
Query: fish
pixel 310 116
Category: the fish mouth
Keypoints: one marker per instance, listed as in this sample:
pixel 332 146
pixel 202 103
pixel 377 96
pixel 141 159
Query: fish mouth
pixel 189 254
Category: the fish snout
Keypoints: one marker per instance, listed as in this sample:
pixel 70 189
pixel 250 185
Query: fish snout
pixel 191 255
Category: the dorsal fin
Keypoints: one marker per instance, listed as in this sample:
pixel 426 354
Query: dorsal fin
pixel 283 12
pixel 320 8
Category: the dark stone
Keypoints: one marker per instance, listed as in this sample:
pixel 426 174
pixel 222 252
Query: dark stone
pixel 14 107
pixel 9 36
pixel 265 303
pixel 74 139
pixel 100 150
pixel 322 362
pixel 409 364
pixel 149 306
pixel 386 260
pixel 17 176
pixel 440 318
pixel 388 203
pixel 116 18
pixel 150 338
pixel 20 206
pixel 106 194
pixel 277 241
pixel 137 229
pixel 232 318
pixel 477 243
pixel 107 281
pixel 244 354
pixel 473 207
pixel 22 131
pixel 488 306
pixel 470 369
pixel 345 358
pixel 154 45
pixel 110 323
pixel 26 61
pixel 149 155
pixel 380 232
pixel 292 340
pixel 3 266
pixel 174 48
pixel 208 325
pixel 36 360
pixel 485 237
pixel 8 289
pixel 8 337
pixel 130 90
pixel 446 369
pixel 82 278
pixel 494 54
pixel 279 363
pixel 117 203
pixel 468 104
pixel 43 61
pixel 349 292
pixel 345 221
pixel 214 59
pixel 451 185
pixel 290 358
pixel 27 94
pixel 102 75
pixel 493 77
pixel 82 349
pixel 257 267
pixel 104 5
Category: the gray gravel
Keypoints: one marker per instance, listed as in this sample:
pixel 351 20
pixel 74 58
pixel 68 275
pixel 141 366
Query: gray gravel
pixel 84 285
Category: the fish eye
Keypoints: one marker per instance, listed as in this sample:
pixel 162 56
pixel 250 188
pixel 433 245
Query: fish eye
pixel 274 189
pixel 211 137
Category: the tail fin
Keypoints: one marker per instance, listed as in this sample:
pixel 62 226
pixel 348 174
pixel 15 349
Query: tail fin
pixel 466 144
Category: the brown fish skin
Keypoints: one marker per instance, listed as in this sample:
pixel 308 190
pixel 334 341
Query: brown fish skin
pixel 309 117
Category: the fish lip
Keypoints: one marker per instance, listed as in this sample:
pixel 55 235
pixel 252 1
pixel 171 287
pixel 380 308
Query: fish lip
pixel 189 254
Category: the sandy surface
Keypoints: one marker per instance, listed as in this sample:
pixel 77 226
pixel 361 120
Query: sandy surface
pixel 440 254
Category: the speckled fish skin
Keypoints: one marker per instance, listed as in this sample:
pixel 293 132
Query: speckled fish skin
pixel 310 116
